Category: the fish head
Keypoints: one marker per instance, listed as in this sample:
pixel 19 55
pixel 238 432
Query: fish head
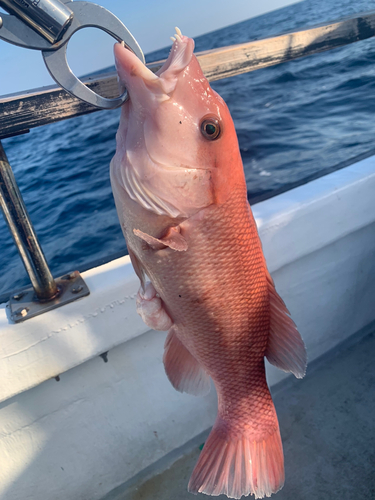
pixel 176 145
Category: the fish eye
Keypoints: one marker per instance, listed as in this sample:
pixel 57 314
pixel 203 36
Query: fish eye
pixel 210 128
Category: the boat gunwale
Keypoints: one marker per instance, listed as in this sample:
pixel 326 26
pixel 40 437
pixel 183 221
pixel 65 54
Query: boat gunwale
pixel 25 110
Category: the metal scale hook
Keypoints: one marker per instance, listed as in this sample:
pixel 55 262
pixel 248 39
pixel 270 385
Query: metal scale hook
pixel 48 25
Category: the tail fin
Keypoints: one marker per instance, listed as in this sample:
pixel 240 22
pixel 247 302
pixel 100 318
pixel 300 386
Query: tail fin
pixel 239 465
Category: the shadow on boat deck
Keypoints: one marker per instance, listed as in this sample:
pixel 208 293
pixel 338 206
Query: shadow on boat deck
pixel 328 429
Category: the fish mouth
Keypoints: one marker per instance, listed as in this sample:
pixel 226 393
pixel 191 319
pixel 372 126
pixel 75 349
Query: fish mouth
pixel 132 72
pixel 128 65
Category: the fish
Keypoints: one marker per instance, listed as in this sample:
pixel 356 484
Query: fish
pixel 181 197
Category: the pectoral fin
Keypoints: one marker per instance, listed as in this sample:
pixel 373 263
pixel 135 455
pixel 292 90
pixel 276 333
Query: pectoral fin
pixel 173 239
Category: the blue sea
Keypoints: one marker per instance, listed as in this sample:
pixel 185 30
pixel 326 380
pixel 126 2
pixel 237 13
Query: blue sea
pixel 294 121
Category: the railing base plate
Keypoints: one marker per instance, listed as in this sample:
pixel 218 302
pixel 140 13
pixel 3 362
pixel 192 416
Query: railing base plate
pixel 25 304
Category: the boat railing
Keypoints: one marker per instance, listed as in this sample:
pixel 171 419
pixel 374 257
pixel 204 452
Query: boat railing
pixel 23 111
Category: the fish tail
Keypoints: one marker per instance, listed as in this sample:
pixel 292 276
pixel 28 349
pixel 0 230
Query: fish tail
pixel 236 465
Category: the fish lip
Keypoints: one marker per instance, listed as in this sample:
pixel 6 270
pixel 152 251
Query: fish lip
pixel 162 82
pixel 129 65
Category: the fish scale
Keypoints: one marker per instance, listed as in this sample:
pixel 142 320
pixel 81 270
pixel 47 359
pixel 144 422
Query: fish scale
pixel 243 319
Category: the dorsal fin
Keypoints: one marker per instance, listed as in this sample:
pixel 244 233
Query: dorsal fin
pixel 286 349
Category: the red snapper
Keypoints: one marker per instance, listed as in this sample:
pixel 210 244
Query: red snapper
pixel 181 197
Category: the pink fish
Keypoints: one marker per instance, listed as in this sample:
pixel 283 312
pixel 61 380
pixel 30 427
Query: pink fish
pixel 181 197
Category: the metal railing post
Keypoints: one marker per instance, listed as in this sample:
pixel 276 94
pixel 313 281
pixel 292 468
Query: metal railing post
pixel 23 232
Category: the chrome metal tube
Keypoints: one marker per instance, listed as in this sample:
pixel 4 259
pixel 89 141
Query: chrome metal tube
pixel 23 232
pixel 49 18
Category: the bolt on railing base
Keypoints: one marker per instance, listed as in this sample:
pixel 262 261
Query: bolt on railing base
pixel 25 304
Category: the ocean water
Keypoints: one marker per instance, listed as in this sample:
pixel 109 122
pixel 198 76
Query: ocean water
pixel 293 121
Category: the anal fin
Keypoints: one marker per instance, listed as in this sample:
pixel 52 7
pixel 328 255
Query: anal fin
pixel 182 369
pixel 286 349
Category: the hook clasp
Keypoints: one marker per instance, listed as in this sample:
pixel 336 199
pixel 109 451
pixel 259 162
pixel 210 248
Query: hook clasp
pixel 48 25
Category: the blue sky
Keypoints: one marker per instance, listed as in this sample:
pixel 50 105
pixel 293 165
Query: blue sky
pixel 151 22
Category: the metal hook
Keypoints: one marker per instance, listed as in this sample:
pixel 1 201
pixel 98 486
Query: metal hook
pixel 85 14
